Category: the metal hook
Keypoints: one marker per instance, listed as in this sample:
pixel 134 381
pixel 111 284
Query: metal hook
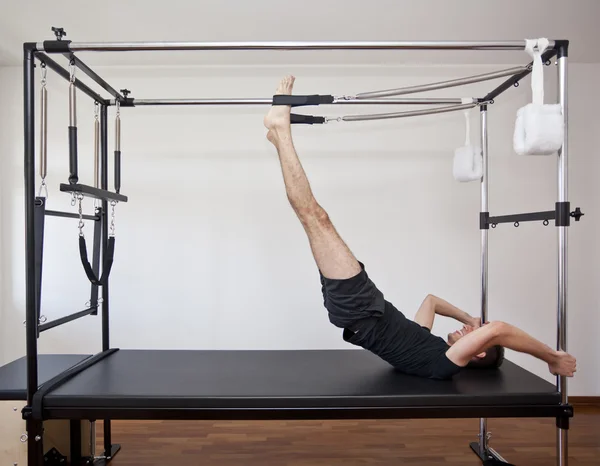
pixel 43 189
pixel 72 69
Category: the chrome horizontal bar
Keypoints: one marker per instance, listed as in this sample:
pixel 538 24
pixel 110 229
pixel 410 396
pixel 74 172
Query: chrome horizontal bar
pixel 387 116
pixel 442 84
pixel 269 101
pixel 296 45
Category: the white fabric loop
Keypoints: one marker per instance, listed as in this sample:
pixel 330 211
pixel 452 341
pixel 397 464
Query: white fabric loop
pixel 467 100
pixel 539 128
pixel 535 48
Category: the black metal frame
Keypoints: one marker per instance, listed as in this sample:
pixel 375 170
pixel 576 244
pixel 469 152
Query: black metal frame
pixel 33 283
pixel 254 414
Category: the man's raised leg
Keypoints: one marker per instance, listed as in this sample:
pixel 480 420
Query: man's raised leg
pixel 333 257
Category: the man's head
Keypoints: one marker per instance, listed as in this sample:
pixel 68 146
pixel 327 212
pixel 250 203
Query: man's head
pixel 492 358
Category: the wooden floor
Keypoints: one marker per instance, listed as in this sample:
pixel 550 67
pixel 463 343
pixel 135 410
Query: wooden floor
pixel 525 442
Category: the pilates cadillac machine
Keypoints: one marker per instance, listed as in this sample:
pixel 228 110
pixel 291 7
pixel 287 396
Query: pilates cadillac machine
pixel 257 384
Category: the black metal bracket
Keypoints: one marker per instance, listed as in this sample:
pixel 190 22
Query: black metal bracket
pixel 126 101
pixel 486 221
pixel 27 413
pixel 90 191
pixel 53 457
pixel 563 420
pixel 561 215
pixel 59 32
pixel 488 458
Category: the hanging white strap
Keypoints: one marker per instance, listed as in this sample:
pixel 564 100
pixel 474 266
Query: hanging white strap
pixel 535 48
pixel 467 100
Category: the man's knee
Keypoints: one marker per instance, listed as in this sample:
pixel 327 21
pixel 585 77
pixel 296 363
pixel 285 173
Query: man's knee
pixel 313 215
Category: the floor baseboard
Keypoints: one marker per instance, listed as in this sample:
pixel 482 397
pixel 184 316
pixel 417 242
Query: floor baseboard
pixel 588 401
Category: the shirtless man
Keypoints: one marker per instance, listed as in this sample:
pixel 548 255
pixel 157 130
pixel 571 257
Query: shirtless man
pixel 368 320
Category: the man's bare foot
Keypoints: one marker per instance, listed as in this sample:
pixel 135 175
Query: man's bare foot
pixel 565 365
pixel 277 121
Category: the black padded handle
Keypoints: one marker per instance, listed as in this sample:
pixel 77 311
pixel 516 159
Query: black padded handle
pixel 302 100
pixel 108 261
pixel 296 119
pixel 117 171
pixel 73 176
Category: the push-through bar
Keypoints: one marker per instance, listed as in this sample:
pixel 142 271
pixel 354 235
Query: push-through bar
pixel 65 46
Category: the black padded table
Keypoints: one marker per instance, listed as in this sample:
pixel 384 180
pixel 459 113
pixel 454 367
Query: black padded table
pixel 308 384
pixel 13 376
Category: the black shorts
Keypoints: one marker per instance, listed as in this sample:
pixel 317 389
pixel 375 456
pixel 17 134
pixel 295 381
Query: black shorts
pixel 358 307
pixel 354 303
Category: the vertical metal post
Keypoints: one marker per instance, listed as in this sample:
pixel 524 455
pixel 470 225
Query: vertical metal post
pixel 563 170
pixel 75 441
pixel 105 294
pixel 34 427
pixel 104 220
pixel 483 431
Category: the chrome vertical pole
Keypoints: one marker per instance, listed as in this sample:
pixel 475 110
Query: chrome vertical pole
pixel 483 431
pixel 563 170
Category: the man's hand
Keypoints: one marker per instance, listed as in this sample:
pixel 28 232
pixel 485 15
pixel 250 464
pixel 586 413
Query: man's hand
pixel 474 322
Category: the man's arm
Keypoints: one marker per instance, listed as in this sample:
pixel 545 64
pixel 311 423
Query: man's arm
pixel 433 305
pixel 509 336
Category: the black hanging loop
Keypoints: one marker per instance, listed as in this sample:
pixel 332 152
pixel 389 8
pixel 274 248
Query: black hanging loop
pixel 516 84
pixel 516 224
pixel 107 265
pixel 108 258
pixel 494 225
pixel 546 222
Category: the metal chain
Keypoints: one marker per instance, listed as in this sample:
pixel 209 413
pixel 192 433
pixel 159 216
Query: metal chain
pixel 81 223
pixel 118 107
pixel 73 199
pixel 112 218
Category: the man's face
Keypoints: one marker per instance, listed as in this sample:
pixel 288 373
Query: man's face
pixel 458 334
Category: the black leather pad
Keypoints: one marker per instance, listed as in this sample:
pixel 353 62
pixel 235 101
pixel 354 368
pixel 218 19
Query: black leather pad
pixel 168 379
pixel 13 376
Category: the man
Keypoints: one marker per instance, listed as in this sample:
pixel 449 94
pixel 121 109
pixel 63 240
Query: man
pixel 356 305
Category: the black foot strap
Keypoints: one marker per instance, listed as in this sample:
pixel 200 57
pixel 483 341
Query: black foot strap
pixel 108 261
pixel 302 100
pixel 296 119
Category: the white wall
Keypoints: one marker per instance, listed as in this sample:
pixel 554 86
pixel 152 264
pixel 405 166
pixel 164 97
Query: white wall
pixel 209 254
